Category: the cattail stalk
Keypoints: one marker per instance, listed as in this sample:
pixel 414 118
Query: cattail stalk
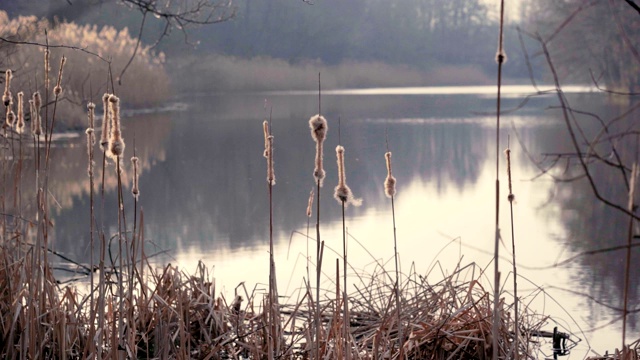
pixel 274 343
pixel 90 143
pixel 511 198
pixel 309 207
pixel 390 192
pixel 345 197
pixel 319 128
pixel 135 190
pixel 496 291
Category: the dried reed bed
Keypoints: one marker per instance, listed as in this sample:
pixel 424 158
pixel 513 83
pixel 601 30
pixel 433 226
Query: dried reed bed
pixel 176 314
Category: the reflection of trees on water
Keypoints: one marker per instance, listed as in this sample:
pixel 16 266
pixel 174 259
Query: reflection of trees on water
pixel 589 223
pixel 70 183
pixel 208 189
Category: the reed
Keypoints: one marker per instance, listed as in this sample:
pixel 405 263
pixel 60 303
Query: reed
pixel 511 198
pixel 319 128
pixel 390 191
pixel 500 59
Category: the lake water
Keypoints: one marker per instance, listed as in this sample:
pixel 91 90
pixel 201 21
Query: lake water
pixel 204 193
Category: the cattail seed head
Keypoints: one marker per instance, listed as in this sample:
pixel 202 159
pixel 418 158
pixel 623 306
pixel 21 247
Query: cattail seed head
pixel 265 129
pixel 6 97
pixel 319 128
pixel 11 118
pixel 390 181
pixel 91 108
pixel 47 68
pixel 342 192
pixel 318 125
pixel 20 124
pixel 116 143
pixel 135 191
pixel 90 142
pixel 57 90
pixel 106 121
pixel 36 122
pixel 271 176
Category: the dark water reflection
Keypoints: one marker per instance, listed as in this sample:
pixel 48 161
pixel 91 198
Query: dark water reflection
pixel 204 190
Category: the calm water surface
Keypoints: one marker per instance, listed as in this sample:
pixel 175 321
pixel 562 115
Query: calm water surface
pixel 204 193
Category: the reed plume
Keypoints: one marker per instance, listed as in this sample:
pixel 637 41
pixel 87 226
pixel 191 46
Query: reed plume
pixel 390 181
pixel 91 115
pixel 319 128
pixel 116 143
pixel 20 123
pixel 342 192
pixel 57 90
pixel 7 99
pixel 135 190
pixel 36 119
pixel 271 177
pixel 106 121
pixel 11 117
pixel 265 129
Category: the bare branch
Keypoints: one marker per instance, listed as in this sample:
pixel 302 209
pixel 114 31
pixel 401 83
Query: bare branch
pixel 633 5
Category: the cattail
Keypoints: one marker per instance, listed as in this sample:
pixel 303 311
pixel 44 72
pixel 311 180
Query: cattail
pixel 47 68
pixel 135 191
pixel 390 181
pixel 511 197
pixel 11 117
pixel 265 129
pixel 310 203
pixel 6 97
pixel 20 124
pixel 271 176
pixel 91 115
pixel 116 143
pixel 106 121
pixel 36 122
pixel 342 191
pixel 319 128
pixel 58 89
pixel 90 142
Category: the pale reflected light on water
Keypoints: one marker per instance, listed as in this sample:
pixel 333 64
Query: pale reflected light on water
pixel 204 194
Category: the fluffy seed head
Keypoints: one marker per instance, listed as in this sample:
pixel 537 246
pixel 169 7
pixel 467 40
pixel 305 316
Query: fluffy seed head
pixel 91 107
pixel 342 192
pixel 106 121
pixel 271 176
pixel 11 118
pixel 57 90
pixel 390 181
pixel 116 143
pixel 36 121
pixel 265 129
pixel 20 124
pixel 318 126
pixel 135 191
pixel 90 141
pixel 6 97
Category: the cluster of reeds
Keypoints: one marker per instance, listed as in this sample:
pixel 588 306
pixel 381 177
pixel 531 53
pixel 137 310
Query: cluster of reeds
pixel 137 311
